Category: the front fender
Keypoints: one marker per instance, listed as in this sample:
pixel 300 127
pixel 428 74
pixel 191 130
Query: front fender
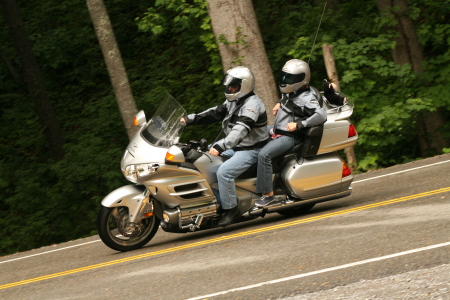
pixel 131 196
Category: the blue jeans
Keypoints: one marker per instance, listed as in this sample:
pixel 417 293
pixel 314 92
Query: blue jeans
pixel 273 149
pixel 237 163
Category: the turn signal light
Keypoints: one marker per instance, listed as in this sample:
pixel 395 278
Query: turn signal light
pixel 149 214
pixel 135 121
pixel 352 131
pixel 169 156
pixel 346 170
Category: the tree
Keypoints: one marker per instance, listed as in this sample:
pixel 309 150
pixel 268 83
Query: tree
pixel 240 43
pixel 114 63
pixel 333 76
pixel 408 50
pixel 34 79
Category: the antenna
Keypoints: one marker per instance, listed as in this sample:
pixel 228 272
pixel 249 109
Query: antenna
pixel 317 32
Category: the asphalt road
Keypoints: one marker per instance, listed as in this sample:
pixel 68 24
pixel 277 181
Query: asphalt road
pixel 396 221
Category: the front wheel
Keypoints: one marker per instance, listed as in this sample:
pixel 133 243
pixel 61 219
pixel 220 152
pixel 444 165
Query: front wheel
pixel 303 209
pixel 113 229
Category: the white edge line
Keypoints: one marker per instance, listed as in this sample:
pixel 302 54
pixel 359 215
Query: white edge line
pixel 2 262
pixel 99 240
pixel 322 271
pixel 442 162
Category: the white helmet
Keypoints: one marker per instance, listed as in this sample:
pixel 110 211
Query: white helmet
pixel 238 82
pixel 294 75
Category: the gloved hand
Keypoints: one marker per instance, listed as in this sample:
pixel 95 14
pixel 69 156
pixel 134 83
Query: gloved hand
pixel 330 93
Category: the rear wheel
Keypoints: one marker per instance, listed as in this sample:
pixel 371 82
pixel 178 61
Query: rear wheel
pixel 300 210
pixel 116 232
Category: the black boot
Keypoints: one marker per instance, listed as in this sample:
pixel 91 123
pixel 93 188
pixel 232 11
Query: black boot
pixel 229 216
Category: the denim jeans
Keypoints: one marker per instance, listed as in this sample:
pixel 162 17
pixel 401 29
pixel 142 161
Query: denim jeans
pixel 273 149
pixel 237 163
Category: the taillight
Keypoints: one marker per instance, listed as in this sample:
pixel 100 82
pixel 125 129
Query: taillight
pixel 346 170
pixel 351 131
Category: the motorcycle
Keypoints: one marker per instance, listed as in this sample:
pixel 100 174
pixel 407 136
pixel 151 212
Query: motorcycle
pixel 174 182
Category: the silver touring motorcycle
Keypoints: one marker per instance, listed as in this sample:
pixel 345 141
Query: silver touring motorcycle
pixel 174 182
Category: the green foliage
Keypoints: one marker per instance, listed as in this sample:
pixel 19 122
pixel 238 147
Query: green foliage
pixel 168 47
pixel 388 97
pixel 175 16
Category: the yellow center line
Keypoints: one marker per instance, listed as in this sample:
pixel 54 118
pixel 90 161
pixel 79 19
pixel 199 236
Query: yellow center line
pixel 224 238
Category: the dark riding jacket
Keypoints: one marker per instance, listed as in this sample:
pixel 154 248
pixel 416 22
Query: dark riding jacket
pixel 244 123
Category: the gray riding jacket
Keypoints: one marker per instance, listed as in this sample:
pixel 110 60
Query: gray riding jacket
pixel 243 121
pixel 301 107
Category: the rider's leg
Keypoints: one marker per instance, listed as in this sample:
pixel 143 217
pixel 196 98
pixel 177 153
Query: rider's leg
pixel 228 171
pixel 264 183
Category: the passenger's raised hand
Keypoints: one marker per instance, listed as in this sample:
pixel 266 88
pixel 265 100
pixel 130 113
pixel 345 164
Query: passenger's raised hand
pixel 276 108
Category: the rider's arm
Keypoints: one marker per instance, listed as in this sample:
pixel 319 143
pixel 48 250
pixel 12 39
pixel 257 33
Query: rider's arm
pixel 211 115
pixel 316 114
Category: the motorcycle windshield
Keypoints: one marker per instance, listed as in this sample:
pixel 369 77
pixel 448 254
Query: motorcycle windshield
pixel 165 127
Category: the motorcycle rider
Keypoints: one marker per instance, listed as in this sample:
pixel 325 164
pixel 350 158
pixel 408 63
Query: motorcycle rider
pixel 244 121
pixel 299 109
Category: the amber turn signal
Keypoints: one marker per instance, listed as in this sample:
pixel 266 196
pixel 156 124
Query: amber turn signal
pixel 169 156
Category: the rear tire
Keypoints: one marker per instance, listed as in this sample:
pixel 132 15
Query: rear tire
pixel 300 210
pixel 111 223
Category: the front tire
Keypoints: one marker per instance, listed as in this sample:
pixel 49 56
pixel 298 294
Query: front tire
pixel 111 225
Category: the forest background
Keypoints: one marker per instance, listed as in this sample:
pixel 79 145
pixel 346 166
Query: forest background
pixel 169 47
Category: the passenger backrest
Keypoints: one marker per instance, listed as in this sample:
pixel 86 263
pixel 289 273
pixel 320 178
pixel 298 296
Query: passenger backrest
pixel 319 95
pixel 313 135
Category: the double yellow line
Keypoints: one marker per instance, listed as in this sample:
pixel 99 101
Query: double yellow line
pixel 224 238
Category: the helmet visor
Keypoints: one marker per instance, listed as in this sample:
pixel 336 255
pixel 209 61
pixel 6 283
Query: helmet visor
pixel 232 84
pixel 288 78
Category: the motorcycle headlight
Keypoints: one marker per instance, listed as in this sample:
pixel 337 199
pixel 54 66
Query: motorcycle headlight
pixel 133 172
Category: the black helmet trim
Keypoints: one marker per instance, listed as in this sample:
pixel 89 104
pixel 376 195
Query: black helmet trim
pixel 231 82
pixel 288 78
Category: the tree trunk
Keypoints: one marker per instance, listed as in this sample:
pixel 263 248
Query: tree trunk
pixel 240 43
pixel 429 126
pixel 328 58
pixel 114 63
pixel 333 76
pixel 408 50
pixel 34 80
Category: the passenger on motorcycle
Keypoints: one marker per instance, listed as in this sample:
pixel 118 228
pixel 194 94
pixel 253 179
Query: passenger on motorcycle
pixel 298 108
pixel 244 121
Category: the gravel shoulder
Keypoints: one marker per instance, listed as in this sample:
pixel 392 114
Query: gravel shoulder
pixel 431 284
